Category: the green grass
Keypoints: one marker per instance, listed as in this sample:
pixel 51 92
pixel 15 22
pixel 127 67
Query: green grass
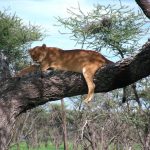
pixel 50 146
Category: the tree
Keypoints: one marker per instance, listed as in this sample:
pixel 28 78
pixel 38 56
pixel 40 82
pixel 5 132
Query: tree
pixel 64 123
pixel 17 96
pixel 27 129
pixel 57 126
pixel 118 30
pixel 15 38
pixel 106 28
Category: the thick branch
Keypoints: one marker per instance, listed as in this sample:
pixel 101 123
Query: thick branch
pixel 145 6
pixel 28 92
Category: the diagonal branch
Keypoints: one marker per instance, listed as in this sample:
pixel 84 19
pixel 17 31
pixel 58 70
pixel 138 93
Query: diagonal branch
pixel 29 92
pixel 145 6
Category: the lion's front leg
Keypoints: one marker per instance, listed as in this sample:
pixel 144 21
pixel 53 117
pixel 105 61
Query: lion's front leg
pixel 43 68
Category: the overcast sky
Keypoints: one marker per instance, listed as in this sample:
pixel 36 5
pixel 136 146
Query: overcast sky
pixel 43 13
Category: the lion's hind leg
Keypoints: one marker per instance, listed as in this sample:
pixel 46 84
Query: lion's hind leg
pixel 88 73
pixel 27 70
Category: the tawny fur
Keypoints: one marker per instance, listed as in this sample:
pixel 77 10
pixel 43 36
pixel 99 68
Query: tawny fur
pixel 77 60
pixel 27 70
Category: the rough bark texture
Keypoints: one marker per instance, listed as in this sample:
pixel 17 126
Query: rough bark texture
pixel 4 67
pixel 18 95
pixel 145 6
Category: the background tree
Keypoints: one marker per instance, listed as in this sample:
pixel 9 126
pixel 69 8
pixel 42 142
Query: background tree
pixel 15 39
pixel 113 30
pixel 116 30
pixel 107 28
pixel 64 124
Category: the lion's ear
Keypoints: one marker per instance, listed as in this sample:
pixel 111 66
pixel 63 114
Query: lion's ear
pixel 44 46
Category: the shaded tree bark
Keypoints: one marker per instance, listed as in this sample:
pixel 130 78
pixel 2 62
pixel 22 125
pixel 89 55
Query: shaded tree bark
pixel 18 95
pixel 145 6
pixel 4 67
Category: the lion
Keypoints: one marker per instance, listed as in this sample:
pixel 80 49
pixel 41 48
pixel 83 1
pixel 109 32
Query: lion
pixel 27 70
pixel 86 62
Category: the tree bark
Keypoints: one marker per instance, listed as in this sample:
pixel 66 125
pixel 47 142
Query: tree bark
pixel 64 125
pixel 145 6
pixel 20 94
pixel 7 120
pixel 4 67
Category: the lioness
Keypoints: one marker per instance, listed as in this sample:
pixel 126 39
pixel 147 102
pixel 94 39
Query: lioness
pixel 78 60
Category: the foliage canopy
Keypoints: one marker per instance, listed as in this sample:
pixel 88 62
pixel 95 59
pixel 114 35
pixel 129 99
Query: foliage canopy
pixel 109 27
pixel 15 36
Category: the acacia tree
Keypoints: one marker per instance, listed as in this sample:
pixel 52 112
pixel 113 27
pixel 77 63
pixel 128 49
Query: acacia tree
pixel 107 28
pixel 56 123
pixel 117 30
pixel 15 38
pixel 17 96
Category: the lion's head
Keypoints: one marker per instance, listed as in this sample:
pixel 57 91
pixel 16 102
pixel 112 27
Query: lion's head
pixel 38 53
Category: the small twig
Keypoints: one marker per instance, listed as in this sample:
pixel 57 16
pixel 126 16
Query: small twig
pixel 82 129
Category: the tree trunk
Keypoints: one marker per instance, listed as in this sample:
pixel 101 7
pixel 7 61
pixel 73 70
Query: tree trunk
pixel 147 142
pixel 18 146
pixel 20 94
pixel 64 125
pixel 93 138
pixel 102 138
pixel 6 111
pixel 4 67
pixel 7 120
